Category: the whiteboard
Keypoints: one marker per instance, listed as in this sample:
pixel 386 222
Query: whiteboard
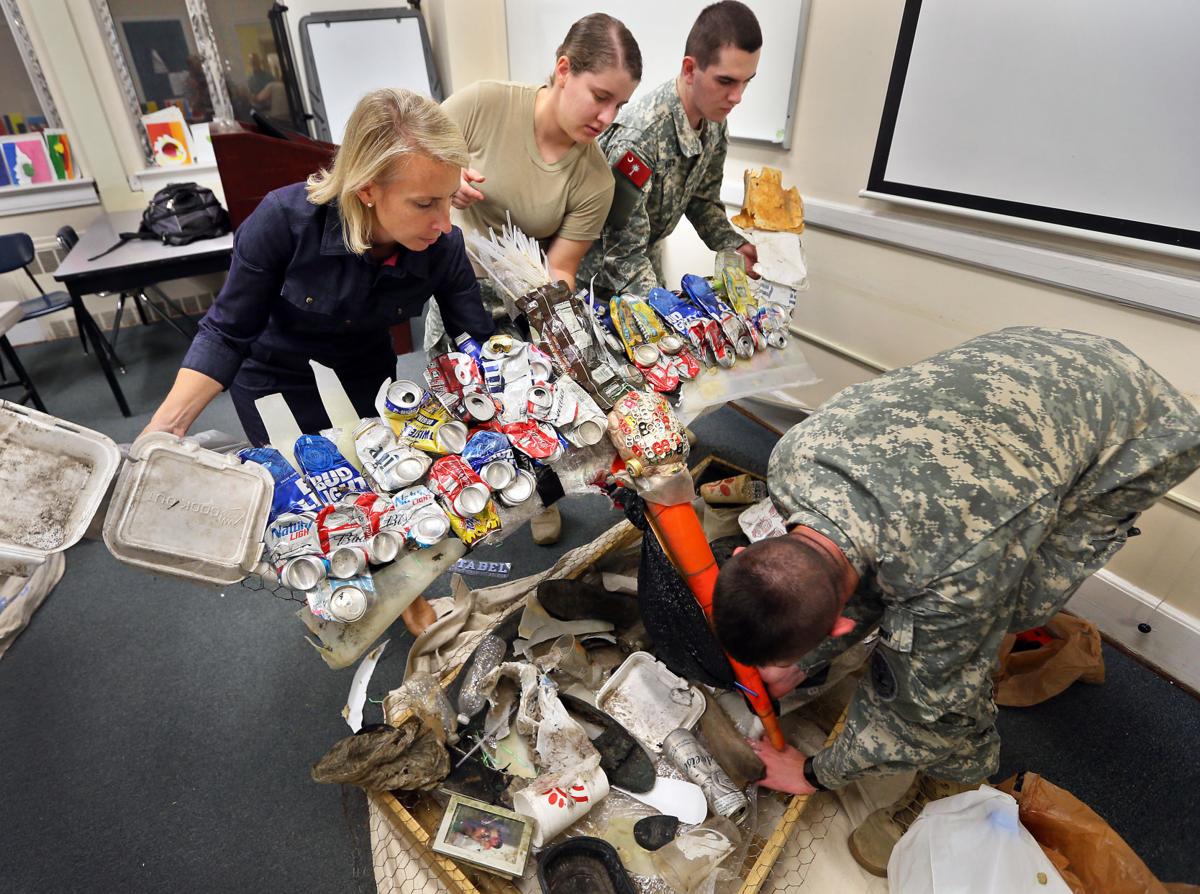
pixel 1081 113
pixel 349 54
pixel 536 28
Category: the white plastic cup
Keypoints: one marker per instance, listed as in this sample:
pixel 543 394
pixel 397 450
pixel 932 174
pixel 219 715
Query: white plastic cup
pixel 555 809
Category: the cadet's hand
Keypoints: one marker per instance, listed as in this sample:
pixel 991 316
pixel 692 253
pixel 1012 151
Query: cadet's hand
pixel 781 680
pixel 467 194
pixel 785 769
pixel 750 253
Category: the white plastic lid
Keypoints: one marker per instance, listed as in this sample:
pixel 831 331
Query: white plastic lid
pixel 183 510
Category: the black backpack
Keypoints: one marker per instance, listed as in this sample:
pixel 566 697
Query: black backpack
pixel 179 214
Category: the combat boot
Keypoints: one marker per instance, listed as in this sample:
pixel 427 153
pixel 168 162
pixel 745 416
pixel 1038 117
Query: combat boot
pixel 872 842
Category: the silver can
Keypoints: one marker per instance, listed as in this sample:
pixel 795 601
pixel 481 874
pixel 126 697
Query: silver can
pixel 521 489
pixel 348 604
pixel 684 750
pixel 472 499
pixel 429 528
pixel 498 474
pixel 645 354
pixel 403 397
pixel 347 561
pixel 303 572
pixel 480 406
pixel 451 436
pixel 384 547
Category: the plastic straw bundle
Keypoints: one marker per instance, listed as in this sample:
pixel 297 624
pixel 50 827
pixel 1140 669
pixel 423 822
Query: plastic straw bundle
pixel 514 262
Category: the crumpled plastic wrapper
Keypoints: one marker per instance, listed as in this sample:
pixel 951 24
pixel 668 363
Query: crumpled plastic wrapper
pixel 386 759
pixel 564 752
pixel 424 697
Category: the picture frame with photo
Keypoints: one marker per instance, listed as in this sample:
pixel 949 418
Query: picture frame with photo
pixel 485 836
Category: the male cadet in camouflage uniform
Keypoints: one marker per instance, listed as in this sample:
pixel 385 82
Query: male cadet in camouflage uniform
pixel 946 503
pixel 667 150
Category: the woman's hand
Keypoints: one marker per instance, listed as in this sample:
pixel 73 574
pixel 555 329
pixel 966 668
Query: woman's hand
pixel 781 680
pixel 467 194
pixel 191 393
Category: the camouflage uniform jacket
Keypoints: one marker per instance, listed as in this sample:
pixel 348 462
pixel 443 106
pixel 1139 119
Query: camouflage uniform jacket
pixel 686 168
pixel 973 492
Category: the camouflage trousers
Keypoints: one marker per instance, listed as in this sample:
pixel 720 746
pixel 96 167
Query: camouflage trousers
pixel 887 735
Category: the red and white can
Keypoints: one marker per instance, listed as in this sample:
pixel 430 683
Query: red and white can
pixel 452 478
pixel 533 439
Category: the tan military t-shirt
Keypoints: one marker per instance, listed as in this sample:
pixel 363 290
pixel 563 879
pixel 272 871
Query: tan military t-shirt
pixel 569 198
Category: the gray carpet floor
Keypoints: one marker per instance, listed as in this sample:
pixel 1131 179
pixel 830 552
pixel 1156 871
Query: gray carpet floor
pixel 156 735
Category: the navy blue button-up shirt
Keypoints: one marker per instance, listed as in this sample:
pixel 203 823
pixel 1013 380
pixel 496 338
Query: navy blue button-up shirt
pixel 295 293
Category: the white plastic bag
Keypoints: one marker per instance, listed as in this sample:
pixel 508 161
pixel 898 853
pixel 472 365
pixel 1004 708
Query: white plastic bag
pixel 972 843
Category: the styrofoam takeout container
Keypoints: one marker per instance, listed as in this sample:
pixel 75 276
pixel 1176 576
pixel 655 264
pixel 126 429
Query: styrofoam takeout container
pixel 187 511
pixel 650 701
pixel 75 502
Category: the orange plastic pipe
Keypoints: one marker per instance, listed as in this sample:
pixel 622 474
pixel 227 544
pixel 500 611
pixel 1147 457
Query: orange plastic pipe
pixel 682 537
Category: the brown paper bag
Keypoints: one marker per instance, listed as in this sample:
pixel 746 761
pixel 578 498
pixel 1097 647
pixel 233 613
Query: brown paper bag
pixel 1092 858
pixel 1030 677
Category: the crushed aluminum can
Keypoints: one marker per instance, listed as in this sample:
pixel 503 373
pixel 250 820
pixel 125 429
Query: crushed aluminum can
pixel 384 547
pixel 341 525
pixel 390 465
pixel 492 379
pixel 541 368
pixel 734 328
pixel 450 377
pixel 498 347
pixel 397 402
pixel 347 561
pixel 419 517
pixel 479 406
pixel 468 346
pixel 532 439
pixel 432 430
pixel 326 471
pixel 303 572
pixel 490 450
pixel 588 425
pixel 451 478
pixel 350 600
pixel 471 529
pixel 520 489
pixel 292 534
pixel 684 750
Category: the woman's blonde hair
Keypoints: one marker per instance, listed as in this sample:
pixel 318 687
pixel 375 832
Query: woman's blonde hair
pixel 386 126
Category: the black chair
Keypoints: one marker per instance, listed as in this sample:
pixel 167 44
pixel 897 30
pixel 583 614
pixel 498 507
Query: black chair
pixel 16 253
pixel 67 239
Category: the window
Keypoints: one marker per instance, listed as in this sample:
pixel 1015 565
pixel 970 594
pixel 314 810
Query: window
pixel 210 59
pixel 34 151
